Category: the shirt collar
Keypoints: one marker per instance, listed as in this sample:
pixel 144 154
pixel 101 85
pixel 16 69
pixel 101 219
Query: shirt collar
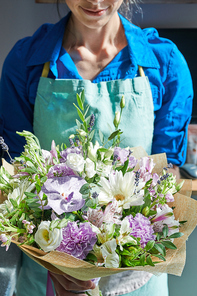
pixel 140 50
pixel 50 45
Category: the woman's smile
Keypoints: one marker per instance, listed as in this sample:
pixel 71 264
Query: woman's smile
pixel 94 12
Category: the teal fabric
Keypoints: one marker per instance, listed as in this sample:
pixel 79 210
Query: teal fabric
pixel 54 119
pixel 55 116
pixel 156 286
pixel 32 279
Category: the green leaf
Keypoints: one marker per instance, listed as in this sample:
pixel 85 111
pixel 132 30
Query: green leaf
pixel 160 248
pixel 113 135
pixel 90 203
pixel 101 136
pixel 54 224
pixel 14 203
pixel 182 222
pixel 79 113
pixel 169 245
pixel 160 257
pixel 85 189
pixel 102 150
pixel 80 103
pixel 150 245
pixel 125 166
pixel 31 200
pixel 91 135
pixel 143 259
pixel 63 223
pixel 79 125
pixel 29 170
pixel 165 231
pixel 30 194
pixel 176 235
pixel 149 261
pixel 159 235
pixel 82 94
pixel 91 257
pixel 87 109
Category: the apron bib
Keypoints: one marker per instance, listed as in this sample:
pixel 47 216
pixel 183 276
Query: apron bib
pixel 54 119
pixel 55 115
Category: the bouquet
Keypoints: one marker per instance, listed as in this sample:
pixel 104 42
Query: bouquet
pixel 96 207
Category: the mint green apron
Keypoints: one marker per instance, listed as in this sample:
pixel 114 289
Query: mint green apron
pixel 54 119
pixel 55 116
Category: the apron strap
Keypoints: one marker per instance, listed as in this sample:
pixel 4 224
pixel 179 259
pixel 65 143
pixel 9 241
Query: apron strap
pixel 45 70
pixel 141 71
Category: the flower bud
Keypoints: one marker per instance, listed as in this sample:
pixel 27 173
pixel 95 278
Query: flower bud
pixel 122 102
pixel 117 119
pixel 145 211
pixel 72 136
pixel 81 132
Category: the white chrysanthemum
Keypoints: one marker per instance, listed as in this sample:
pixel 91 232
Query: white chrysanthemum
pixel 18 194
pixel 122 188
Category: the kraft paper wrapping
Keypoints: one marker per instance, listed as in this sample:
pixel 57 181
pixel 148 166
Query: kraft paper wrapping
pixel 185 209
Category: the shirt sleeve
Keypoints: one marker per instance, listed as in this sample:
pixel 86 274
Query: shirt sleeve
pixel 16 111
pixel 172 119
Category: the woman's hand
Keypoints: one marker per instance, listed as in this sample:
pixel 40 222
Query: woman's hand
pixel 69 286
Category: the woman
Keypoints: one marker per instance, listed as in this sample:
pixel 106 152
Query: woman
pixel 96 49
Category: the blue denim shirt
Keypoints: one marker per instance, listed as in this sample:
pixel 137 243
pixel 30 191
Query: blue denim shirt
pixel 161 60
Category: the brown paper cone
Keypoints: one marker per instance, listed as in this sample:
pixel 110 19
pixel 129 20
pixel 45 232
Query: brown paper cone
pixel 185 209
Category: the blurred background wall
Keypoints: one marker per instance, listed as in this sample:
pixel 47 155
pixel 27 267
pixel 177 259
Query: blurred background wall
pixel 20 18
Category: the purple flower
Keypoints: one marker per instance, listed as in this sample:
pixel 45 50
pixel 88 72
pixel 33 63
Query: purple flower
pixel 132 161
pixel 78 240
pixel 141 228
pixel 122 154
pixel 63 193
pixel 67 151
pixel 60 170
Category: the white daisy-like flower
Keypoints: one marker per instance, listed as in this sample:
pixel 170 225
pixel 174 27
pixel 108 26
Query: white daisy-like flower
pixel 122 188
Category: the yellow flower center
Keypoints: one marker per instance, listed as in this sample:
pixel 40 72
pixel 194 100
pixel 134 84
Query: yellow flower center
pixel 45 234
pixel 119 197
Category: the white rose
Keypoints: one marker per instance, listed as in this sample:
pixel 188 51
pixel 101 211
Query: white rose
pixel 48 240
pixel 90 171
pixel 75 162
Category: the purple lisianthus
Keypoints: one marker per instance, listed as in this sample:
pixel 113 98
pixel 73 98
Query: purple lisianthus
pixel 63 193
pixel 60 170
pixel 132 162
pixel 141 228
pixel 67 151
pixel 122 154
pixel 78 240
